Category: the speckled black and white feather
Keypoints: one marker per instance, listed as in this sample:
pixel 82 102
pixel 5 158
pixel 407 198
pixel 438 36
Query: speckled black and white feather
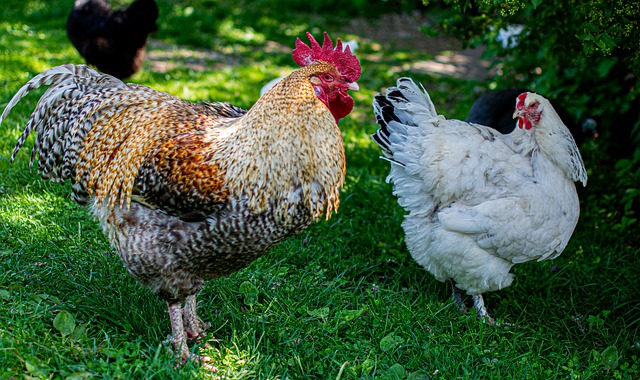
pixel 62 116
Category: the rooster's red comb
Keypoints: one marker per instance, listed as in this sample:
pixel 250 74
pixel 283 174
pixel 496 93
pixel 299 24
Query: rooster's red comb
pixel 345 62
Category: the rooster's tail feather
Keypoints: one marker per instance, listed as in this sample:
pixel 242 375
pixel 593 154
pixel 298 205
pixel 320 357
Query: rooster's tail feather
pixel 58 120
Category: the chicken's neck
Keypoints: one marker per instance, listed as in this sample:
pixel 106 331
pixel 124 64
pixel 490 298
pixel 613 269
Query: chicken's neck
pixel 286 150
pixel 551 138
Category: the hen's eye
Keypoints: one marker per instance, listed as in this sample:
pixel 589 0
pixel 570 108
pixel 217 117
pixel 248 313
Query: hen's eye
pixel 328 77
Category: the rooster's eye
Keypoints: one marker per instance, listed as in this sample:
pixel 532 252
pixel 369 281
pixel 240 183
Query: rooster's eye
pixel 328 77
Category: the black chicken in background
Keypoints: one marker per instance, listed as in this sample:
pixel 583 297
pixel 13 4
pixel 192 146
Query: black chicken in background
pixel 495 109
pixel 114 41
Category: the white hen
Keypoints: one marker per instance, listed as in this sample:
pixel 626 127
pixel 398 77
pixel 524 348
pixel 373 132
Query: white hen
pixel 479 202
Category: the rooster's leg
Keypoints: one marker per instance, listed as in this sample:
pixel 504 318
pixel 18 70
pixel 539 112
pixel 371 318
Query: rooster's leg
pixel 177 332
pixel 457 297
pixel 194 327
pixel 178 316
pixel 483 315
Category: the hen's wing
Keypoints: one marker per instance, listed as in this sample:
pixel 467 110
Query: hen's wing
pixel 452 160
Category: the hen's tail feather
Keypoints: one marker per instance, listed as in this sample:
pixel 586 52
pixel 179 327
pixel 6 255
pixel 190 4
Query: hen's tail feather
pixel 397 108
pixel 384 115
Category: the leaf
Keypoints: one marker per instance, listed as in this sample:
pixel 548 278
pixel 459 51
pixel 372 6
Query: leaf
pixel 350 315
pixel 64 322
pixel 322 313
pixel 344 317
pixel 80 375
pixel 80 332
pixel 111 353
pixel 536 3
pixel 418 375
pixel 250 293
pixel 35 367
pixel 609 42
pixel 605 42
pixel 5 295
pixel 609 357
pixel 390 342
pixel 595 320
pixel 367 366
pixel 605 67
pixel 396 371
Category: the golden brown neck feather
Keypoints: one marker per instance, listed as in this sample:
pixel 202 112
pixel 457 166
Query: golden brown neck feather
pixel 287 141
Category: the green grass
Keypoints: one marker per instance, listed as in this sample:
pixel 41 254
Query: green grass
pixel 341 300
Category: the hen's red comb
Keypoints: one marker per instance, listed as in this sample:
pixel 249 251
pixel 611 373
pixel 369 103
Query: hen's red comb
pixel 521 98
pixel 345 62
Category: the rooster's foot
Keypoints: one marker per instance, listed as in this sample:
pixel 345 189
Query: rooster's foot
pixel 181 318
pixel 194 327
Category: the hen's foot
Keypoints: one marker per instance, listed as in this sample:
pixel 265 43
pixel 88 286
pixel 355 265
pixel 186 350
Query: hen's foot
pixel 458 298
pixel 181 318
pixel 478 304
pixel 482 314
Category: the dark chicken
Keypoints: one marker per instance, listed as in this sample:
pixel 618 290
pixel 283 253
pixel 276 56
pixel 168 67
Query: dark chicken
pixel 114 41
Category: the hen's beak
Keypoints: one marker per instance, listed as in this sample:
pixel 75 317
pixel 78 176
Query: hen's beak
pixel 354 86
pixel 516 113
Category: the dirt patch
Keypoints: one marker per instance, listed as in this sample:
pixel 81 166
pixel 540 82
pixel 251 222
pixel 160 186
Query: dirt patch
pixel 162 57
pixel 444 56
pixel 403 32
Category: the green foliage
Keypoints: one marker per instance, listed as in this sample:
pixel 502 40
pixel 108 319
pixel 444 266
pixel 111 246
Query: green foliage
pixel 628 179
pixel 578 50
pixel 336 8
pixel 583 54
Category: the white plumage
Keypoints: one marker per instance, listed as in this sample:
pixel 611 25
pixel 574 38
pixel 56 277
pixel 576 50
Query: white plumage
pixel 477 201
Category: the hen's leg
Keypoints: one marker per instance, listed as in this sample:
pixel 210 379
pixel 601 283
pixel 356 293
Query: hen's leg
pixel 177 332
pixel 194 327
pixel 457 297
pixel 483 315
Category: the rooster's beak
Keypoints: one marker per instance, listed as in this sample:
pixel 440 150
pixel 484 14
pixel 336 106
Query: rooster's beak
pixel 516 113
pixel 354 86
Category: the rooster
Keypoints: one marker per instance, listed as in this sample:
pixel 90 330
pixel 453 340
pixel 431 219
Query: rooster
pixel 112 40
pixel 478 201
pixel 190 192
